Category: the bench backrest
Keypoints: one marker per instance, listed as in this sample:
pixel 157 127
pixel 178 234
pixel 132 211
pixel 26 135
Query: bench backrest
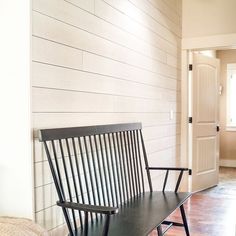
pixel 99 165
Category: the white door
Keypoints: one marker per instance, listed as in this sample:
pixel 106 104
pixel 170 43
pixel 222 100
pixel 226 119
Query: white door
pixel 205 113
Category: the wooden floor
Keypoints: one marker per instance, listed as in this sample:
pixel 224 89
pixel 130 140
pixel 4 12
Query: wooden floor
pixel 211 212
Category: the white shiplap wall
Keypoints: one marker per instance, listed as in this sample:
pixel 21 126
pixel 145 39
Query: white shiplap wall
pixel 99 62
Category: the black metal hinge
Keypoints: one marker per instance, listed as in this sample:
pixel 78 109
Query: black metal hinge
pixel 190 67
pixel 190 120
pixel 190 171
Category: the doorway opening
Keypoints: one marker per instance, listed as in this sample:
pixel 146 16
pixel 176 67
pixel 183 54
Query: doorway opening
pixel 220 211
pixel 218 201
pixel 226 90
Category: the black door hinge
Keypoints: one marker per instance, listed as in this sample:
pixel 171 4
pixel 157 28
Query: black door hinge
pixel 190 171
pixel 190 67
pixel 217 128
pixel 190 120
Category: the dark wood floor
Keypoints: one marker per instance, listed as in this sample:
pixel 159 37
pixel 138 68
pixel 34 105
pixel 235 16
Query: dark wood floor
pixel 211 212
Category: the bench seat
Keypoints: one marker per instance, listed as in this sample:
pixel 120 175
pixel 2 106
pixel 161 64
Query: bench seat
pixel 103 170
pixel 140 215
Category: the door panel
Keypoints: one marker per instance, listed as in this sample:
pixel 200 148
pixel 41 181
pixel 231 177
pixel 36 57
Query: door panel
pixel 206 160
pixel 207 85
pixel 205 138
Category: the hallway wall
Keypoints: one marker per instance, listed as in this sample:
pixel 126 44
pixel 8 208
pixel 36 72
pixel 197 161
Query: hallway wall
pixel 208 18
pixel 105 61
pixel 227 138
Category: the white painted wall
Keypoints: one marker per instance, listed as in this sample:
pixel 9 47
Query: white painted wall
pixel 15 142
pixel 208 17
pixel 100 62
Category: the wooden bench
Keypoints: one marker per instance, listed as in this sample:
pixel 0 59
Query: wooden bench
pixel 99 175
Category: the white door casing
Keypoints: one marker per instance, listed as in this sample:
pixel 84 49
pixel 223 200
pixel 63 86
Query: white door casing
pixel 205 113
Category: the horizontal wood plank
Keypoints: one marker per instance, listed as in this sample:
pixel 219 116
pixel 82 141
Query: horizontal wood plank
pixel 48 76
pixel 51 100
pixel 83 20
pixel 127 8
pixel 87 5
pixel 50 120
pixel 52 53
pixel 79 39
pixel 158 16
pixel 117 18
pixel 101 65
pixel 169 8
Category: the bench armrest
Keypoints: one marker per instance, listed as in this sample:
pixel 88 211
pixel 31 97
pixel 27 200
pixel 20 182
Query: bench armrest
pixel 108 211
pixel 167 174
pixel 168 168
pixel 89 208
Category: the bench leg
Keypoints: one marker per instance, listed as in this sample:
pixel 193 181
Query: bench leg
pixel 159 231
pixel 106 226
pixel 184 220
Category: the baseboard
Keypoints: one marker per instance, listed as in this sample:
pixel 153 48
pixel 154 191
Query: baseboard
pixel 228 163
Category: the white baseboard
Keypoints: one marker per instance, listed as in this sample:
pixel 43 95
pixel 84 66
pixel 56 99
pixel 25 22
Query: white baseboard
pixel 228 163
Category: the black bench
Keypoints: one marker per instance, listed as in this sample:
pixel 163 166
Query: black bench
pixel 100 181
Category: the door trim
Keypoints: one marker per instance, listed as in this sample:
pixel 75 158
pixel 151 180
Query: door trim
pixel 189 45
pixel 222 41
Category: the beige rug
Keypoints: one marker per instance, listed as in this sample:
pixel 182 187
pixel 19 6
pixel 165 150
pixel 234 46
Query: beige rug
pixel 20 227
